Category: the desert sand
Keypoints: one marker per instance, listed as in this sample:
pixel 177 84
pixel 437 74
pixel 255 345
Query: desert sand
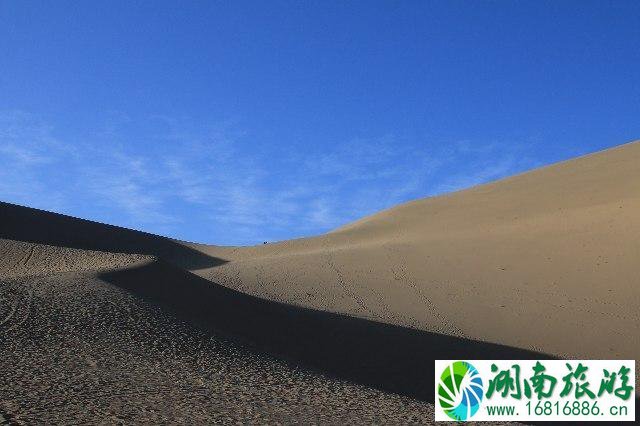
pixel 104 324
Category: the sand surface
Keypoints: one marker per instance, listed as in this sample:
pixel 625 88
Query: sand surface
pixel 77 350
pixel 547 261
pixel 104 324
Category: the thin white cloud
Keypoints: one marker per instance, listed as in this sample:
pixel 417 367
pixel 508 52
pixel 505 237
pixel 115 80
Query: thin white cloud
pixel 186 177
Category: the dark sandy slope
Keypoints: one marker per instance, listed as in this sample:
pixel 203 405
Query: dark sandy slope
pixel 104 324
pixel 90 335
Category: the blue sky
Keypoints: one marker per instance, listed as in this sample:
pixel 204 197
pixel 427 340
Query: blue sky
pixel 240 122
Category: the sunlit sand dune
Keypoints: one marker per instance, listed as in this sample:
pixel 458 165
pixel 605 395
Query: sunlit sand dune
pixel 548 260
pixel 100 323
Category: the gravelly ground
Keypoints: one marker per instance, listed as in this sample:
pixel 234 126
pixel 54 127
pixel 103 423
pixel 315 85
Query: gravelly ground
pixel 77 350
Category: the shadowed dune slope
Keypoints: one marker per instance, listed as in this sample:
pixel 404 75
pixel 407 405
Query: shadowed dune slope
pixel 45 228
pixel 94 336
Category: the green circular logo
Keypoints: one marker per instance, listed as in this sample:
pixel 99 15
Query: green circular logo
pixel 460 390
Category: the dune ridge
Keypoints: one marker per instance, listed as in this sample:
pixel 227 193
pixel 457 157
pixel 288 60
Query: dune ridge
pixel 556 247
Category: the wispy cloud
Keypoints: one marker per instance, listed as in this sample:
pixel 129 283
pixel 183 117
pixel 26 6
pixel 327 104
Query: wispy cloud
pixel 207 183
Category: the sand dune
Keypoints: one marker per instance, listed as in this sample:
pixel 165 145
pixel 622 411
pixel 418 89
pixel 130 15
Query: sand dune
pixel 547 261
pixel 101 322
pixel 90 336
